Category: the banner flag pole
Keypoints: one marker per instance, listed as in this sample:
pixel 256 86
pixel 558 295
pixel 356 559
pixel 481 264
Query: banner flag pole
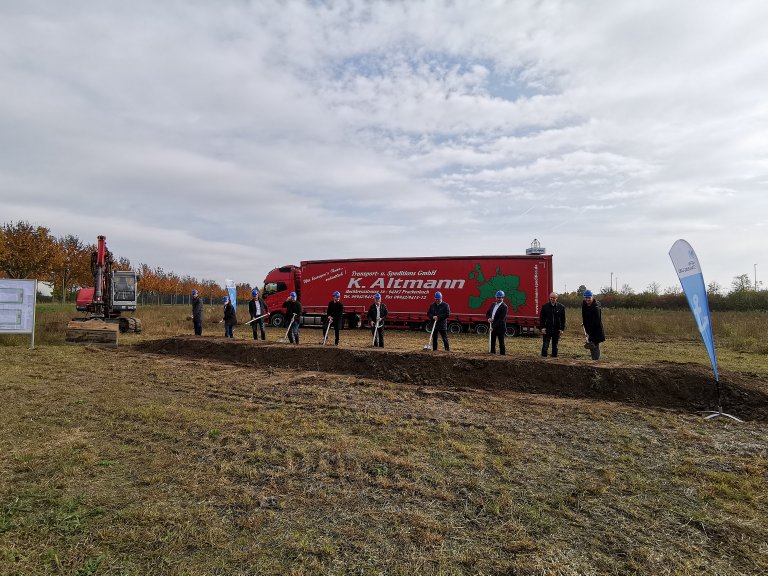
pixel 688 270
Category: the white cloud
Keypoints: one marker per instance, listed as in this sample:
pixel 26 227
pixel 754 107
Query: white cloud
pixel 221 140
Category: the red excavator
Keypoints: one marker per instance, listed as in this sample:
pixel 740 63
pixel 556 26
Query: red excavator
pixel 114 293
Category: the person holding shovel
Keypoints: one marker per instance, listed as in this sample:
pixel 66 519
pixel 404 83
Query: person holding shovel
pixel 376 314
pixel 197 313
pixel 335 314
pixel 552 324
pixel 293 312
pixel 258 310
pixel 438 312
pixel 592 322
pixel 497 318
pixel 230 318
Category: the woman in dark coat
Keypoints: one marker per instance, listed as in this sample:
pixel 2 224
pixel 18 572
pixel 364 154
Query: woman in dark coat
pixel 592 320
pixel 230 319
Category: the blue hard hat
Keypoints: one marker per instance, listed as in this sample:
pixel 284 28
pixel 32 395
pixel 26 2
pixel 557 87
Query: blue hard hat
pixel 438 295
pixel 225 299
pixel 377 296
pixel 588 294
pixel 292 295
pixel 337 293
pixel 254 292
pixel 194 292
pixel 500 294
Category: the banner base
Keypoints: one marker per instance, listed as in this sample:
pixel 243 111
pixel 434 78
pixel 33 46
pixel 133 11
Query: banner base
pixel 715 414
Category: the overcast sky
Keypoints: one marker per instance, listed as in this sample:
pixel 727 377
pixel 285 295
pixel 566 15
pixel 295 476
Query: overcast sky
pixel 222 139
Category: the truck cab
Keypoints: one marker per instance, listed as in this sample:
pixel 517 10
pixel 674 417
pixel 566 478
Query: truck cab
pixel 278 284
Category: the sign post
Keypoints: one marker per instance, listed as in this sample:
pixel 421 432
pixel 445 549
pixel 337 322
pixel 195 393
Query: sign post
pixel 18 300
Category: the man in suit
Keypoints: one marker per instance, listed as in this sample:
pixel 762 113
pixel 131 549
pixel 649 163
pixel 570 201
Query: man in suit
pixel 552 324
pixel 497 318
pixel 376 314
pixel 335 314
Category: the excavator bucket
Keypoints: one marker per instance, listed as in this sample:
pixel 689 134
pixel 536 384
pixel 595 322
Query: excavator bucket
pixel 92 331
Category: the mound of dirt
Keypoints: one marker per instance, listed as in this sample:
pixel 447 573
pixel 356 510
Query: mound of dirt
pixel 663 384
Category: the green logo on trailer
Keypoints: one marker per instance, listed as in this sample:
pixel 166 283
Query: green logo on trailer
pixel 488 288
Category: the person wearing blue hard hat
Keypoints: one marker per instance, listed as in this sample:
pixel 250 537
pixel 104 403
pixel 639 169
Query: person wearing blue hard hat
pixel 197 313
pixel 230 318
pixel 592 323
pixel 334 316
pixel 552 324
pixel 293 312
pixel 497 319
pixel 438 313
pixel 258 311
pixel 376 314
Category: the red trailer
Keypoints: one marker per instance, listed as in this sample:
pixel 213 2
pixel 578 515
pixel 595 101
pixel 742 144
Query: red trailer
pixel 407 287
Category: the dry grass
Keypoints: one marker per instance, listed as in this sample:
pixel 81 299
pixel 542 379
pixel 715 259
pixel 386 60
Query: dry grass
pixel 115 462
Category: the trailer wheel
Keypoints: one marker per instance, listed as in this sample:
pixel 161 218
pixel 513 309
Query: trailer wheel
pixel 455 328
pixel 513 330
pixel 481 329
pixel 277 320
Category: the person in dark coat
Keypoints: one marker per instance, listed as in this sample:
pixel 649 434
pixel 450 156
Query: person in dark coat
pixel 552 324
pixel 376 314
pixel 197 313
pixel 257 307
pixel 592 321
pixel 438 312
pixel 293 311
pixel 230 318
pixel 497 317
pixel 335 314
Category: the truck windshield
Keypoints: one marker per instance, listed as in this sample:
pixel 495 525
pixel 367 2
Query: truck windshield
pixel 274 288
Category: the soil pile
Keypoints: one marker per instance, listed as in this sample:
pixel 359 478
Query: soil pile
pixel 663 384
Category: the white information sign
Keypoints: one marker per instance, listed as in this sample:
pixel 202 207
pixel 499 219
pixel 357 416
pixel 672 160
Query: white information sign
pixel 17 306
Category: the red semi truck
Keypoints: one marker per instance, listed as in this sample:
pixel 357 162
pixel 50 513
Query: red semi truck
pixel 407 286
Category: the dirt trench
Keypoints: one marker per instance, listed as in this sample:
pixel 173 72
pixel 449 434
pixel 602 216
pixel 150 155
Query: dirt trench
pixel 688 387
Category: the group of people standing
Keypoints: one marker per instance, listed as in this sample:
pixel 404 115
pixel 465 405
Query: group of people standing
pixel 552 324
pixel 551 320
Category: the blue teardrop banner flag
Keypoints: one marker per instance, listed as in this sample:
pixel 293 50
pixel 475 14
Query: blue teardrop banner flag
pixel 691 278
pixel 232 290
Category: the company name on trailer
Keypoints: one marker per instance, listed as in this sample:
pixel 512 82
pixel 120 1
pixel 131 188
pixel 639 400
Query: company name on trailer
pixel 407 284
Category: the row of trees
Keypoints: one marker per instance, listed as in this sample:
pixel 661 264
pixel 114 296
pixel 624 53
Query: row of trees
pixel 744 295
pixel 28 251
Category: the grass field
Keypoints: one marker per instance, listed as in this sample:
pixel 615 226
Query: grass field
pixel 123 462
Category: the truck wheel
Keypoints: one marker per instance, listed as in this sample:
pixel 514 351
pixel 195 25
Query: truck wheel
pixel 481 329
pixel 428 326
pixel 353 321
pixel 277 320
pixel 455 328
pixel 513 330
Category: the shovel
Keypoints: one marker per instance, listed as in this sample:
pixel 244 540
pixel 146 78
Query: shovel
pixel 587 344
pixel 327 330
pixel 282 340
pixel 375 331
pixel 428 346
pixel 490 335
pixel 257 317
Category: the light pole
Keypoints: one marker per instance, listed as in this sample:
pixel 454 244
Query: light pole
pixel 611 280
pixel 755 277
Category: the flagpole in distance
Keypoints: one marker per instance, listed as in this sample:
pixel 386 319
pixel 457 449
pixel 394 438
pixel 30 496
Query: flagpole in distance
pixel 688 270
